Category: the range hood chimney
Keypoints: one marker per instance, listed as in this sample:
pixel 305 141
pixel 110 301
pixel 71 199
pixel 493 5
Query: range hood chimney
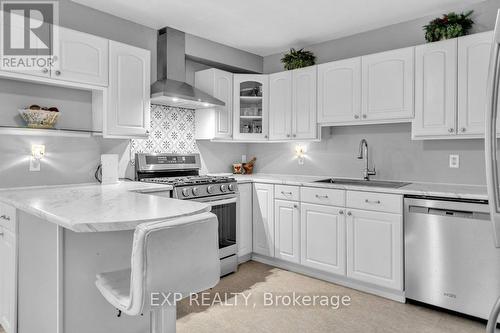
pixel 170 88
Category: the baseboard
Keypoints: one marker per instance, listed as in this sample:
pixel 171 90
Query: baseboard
pixel 244 258
pixel 395 295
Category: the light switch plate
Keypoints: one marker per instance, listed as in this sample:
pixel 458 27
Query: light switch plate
pixel 454 161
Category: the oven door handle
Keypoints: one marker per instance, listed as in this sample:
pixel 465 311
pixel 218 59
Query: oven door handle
pixel 221 201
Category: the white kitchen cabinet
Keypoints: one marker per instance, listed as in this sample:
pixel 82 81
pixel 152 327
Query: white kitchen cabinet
pixel 323 238
pixel 339 91
pixel 250 110
pixel 387 85
pixel 216 123
pixel 304 125
pixel 245 220
pixel 375 248
pixel 128 110
pixel 287 230
pixel 473 63
pixel 280 105
pixel 435 89
pixel 8 280
pixel 263 219
pixel 81 58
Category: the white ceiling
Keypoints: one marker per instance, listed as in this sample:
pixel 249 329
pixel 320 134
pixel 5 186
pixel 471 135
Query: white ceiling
pixel 266 27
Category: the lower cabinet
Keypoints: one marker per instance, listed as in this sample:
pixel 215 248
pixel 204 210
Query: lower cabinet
pixel 287 230
pixel 323 238
pixel 375 248
pixel 263 219
pixel 244 227
pixel 8 281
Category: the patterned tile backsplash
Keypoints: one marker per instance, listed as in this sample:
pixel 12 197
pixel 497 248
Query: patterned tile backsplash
pixel 172 131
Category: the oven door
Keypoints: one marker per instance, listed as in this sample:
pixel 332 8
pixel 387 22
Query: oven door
pixel 226 209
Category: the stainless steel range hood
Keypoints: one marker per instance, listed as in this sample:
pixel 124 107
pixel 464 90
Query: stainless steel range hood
pixel 170 88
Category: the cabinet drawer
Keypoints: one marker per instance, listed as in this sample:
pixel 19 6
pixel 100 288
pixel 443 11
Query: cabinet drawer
pixel 287 192
pixel 8 217
pixel 323 196
pixel 390 203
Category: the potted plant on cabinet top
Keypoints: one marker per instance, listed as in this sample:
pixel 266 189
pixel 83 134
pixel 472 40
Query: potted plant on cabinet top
pixel 451 25
pixel 297 59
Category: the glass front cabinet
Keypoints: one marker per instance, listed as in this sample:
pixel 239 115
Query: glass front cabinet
pixel 251 102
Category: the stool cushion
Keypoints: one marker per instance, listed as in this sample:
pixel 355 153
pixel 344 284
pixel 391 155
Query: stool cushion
pixel 115 287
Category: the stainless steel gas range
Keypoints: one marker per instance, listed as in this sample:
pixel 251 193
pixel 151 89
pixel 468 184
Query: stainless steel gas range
pixel 183 173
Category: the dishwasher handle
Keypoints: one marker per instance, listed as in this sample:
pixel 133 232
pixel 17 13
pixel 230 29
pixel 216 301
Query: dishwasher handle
pixel 449 212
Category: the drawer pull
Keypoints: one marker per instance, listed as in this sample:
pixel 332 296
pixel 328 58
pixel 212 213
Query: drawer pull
pixel 349 213
pixel 286 193
pixel 322 196
pixel 5 217
pixel 295 206
pixel 376 202
pixel 341 212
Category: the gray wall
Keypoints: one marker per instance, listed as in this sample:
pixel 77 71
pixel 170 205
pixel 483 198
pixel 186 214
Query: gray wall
pixel 391 150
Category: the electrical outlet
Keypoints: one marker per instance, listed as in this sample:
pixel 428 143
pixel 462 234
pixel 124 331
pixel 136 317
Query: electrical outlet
pixel 35 164
pixel 243 158
pixel 454 161
pixel 301 160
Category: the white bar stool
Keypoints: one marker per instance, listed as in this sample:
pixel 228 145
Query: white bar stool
pixel 178 256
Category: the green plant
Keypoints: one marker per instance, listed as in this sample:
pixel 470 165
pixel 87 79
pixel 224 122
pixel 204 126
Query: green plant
pixel 451 25
pixel 297 59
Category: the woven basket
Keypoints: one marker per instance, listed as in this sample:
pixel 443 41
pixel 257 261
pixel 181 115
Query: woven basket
pixel 39 118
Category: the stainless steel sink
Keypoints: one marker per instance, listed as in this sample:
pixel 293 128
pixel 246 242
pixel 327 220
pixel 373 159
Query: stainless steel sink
pixel 362 182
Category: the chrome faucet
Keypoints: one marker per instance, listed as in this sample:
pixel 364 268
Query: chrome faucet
pixel 363 153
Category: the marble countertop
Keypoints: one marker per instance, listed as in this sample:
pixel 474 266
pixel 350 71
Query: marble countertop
pixel 95 207
pixel 415 188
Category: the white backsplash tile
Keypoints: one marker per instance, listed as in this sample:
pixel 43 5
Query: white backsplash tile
pixel 172 131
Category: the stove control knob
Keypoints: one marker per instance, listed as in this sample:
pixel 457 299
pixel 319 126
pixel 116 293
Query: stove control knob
pixel 185 192
pixel 210 189
pixel 195 191
pixel 223 188
pixel 231 187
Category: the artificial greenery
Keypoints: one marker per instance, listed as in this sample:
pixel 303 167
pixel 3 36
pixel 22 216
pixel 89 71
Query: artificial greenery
pixel 298 59
pixel 449 26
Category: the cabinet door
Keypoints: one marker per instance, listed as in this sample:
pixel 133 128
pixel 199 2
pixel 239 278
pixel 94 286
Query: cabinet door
pixel 375 248
pixel 304 111
pixel 339 91
pixel 82 58
pixel 436 89
pixel 251 102
pixel 473 62
pixel 322 234
pixel 223 90
pixel 263 219
pixel 129 91
pixel 280 105
pixel 245 221
pixel 388 85
pixel 287 230
pixel 8 281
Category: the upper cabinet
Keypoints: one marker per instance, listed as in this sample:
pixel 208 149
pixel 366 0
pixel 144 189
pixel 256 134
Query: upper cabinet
pixel 251 102
pixel 339 91
pixel 292 104
pixel 377 88
pixel 82 58
pixel 216 123
pixel 387 85
pixel 450 92
pixel 128 109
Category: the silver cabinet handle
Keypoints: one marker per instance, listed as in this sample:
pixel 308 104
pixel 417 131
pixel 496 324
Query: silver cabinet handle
pixel 286 193
pixel 294 135
pixel 463 129
pixel 265 136
pixel 356 116
pixel 45 70
pixel 1 233
pixel 377 202
pixel 58 73
pixel 295 206
pixel 341 212
pixel 322 196
pixel 349 213
pixel 5 217
pixel 288 135
pixel 451 130
pixel 490 142
pixel 364 116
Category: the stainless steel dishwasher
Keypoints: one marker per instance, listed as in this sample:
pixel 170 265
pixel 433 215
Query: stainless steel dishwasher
pixel 449 259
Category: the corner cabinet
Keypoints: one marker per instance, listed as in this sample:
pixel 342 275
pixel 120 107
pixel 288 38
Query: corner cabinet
pixel 216 123
pixel 128 110
pixel 251 102
pixel 263 219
